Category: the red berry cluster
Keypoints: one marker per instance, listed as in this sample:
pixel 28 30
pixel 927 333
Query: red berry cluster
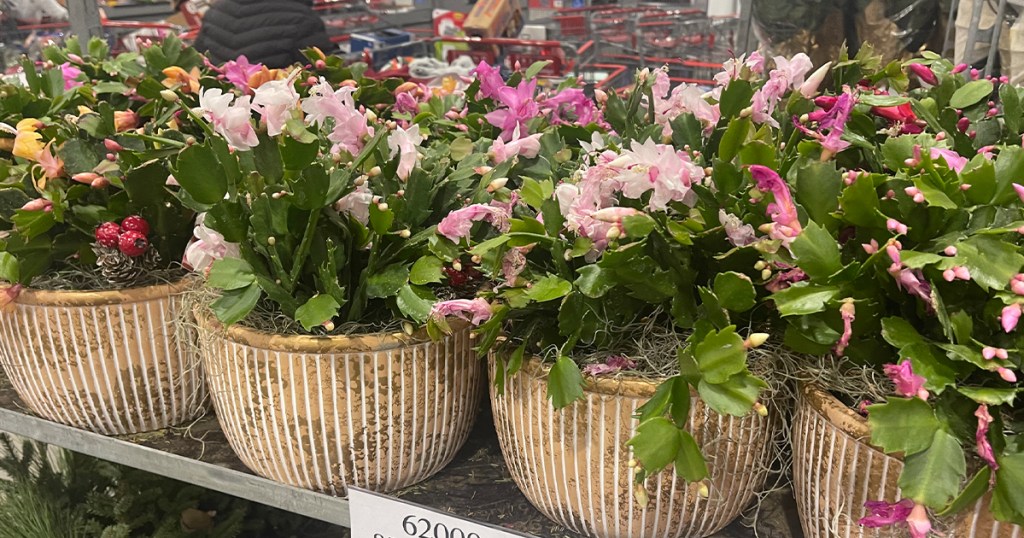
pixel 461 278
pixel 130 237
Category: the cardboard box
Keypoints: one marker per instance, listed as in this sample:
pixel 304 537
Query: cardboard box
pixel 536 32
pixel 448 24
pixel 494 18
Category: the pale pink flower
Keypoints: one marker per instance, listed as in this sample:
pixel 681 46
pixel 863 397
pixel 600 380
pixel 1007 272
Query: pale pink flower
pixel 739 234
pixel 908 384
pixel 983 447
pixel 475 311
pixel 792 70
pixel 785 225
pixel 458 223
pixel 732 68
pixel 953 159
pixel 1010 317
pixel 684 98
pixel 350 125
pixel 848 313
pixel 918 522
pixel 405 143
pixel 658 168
pixel 70 74
pixel 356 204
pixel 207 247
pixel 810 87
pixel 884 514
pixel 527 147
pixel 275 101
pixel 230 117
pixel 611 365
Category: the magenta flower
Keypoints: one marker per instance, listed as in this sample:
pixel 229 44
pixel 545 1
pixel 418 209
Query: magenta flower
pixel 405 143
pixel 239 71
pixel 458 223
pixel 407 104
pixel 275 101
pixel 785 224
pixel 787 276
pixel 490 80
pixel 739 234
pixel 520 106
pixel 908 384
pixel 475 311
pixel 230 117
pixel 848 313
pixel 983 447
pixel 571 100
pixel 832 126
pixel 527 147
pixel 884 514
pixel 70 74
pixel 611 365
pixel 1010 317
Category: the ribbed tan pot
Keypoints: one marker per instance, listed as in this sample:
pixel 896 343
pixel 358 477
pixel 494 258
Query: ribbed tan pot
pixel 380 412
pixel 572 464
pixel 835 471
pixel 105 361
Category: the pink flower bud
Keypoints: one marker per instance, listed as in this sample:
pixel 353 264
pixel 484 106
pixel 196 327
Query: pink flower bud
pixel 100 183
pixel 1007 374
pixel 39 204
pixel 993 112
pixel 1019 189
pixel 75 58
pixel 1004 79
pixel 826 101
pixel 918 198
pixel 890 194
pixel 911 191
pixel 1001 353
pixel 896 226
pixel 960 68
pixel 948 275
pixel 85 177
pixel 1010 317
pixel 112 145
pixel 320 65
pixel 871 247
pixel 962 273
pixel 1017 287
pixel 940 136
pixel 924 73
pixel 974 74
pixel 912 163
pixel 962 124
pixel 950 251
pixel 988 353
pixel 965 186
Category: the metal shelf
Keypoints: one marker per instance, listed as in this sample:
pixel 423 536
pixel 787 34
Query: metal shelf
pixel 475 486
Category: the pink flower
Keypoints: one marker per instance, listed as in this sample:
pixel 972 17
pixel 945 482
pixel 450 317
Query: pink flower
pixel 1019 189
pixel 810 87
pixel 894 225
pixel 658 168
pixel 490 80
pixel 458 223
pixel 918 522
pixel 765 100
pixel 207 247
pixel 275 101
pixel 407 104
pixel 785 224
pixel 924 73
pixel 871 247
pixel 231 118
pixel 785 277
pixel 848 313
pixel 792 70
pixel 684 98
pixel 983 447
pixel 51 165
pixel 356 204
pixel 953 159
pixel 884 514
pixel 1010 317
pixel 70 74
pixel 908 384
pixel 475 311
pixel 733 67
pixel 238 72
pixel 520 106
pixel 896 114
pixel 832 126
pixel 571 100
pixel 405 143
pixel 611 365
pixel 739 234
pixel 512 265
pixel 526 147
pixel 350 126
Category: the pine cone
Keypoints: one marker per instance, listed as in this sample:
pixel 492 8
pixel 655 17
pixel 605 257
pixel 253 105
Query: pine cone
pixel 122 270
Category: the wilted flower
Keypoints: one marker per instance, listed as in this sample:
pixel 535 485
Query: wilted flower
pixel 188 81
pixel 611 365
pixel 125 120
pixel 475 311
pixel 908 384
pixel 739 234
pixel 848 313
pixel 983 446
pixel 785 224
pixel 884 514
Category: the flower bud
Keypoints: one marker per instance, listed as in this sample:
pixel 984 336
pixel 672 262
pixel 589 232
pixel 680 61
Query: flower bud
pixel 950 251
pixel 374 172
pixel 1007 374
pixel 497 184
pixel 271 240
pixel 632 463
pixel 408 328
pixel 457 265
pixel 100 183
pixel 170 96
pixel 383 206
pixel 320 65
pixel 760 409
pixel 85 177
pixel 613 233
pixel 760 265
pixel 328 325
pixel 948 275
pixel 766 274
pixel 405 234
pixel 755 340
pixel 703 490
pixel 112 145
pixel 475 259
pixel 641 496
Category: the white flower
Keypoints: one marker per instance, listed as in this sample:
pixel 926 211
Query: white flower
pixel 275 101
pixel 405 142
pixel 231 117
pixel 356 204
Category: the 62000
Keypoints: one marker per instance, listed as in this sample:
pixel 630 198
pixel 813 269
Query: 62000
pixel 419 527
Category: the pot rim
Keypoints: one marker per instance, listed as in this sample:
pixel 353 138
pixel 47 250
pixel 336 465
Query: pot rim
pixel 36 297
pixel 302 343
pixel 837 413
pixel 620 385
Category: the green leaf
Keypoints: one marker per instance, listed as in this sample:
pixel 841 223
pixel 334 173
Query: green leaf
pixel 311 190
pixel 734 397
pixel 902 425
pixel 381 221
pixel 735 291
pixel 549 288
pixel 594 281
pixel 536 192
pixel 933 477
pixel 387 282
pixel 317 310
pixel 733 139
pixel 33 223
pixel 296 155
pixel 881 100
pixel 802 298
pixel 973 491
pixel 680 401
pixel 1012 111
pixel 860 203
pixel 991 261
pixel 230 274
pixel 415 302
pixel 637 226
pixel 9 270
pixel 443 248
pixel 934 196
pixel 488 245
pixel 735 97
pixel 817 253
pixel 899 332
pixel 655 444
pixel 817 189
pixel 1008 497
pixel 990 396
pixel 426 270
pixel 690 464
pixel 535 69
pixel 198 171
pixel 460 148
pixel 971 93
pixel 565 383
pixel 234 305
pixel 658 404
pixel 721 355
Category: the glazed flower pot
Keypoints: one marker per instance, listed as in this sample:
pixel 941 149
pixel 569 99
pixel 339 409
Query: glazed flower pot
pixel 106 361
pixel 572 464
pixel 835 471
pixel 377 411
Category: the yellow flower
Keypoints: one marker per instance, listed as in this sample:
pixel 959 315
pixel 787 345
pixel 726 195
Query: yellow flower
pixel 27 143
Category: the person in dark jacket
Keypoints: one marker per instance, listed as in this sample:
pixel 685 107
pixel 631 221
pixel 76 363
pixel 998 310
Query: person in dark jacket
pixel 270 32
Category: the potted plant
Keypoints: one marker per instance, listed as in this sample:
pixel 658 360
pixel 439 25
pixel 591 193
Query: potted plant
pixel 316 230
pixel 911 288
pixel 91 247
pixel 625 294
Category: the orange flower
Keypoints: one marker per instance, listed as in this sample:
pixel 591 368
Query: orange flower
pixel 51 165
pixel 176 76
pixel 264 76
pixel 27 143
pixel 125 120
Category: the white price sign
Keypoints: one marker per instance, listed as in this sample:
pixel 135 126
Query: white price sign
pixel 377 516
